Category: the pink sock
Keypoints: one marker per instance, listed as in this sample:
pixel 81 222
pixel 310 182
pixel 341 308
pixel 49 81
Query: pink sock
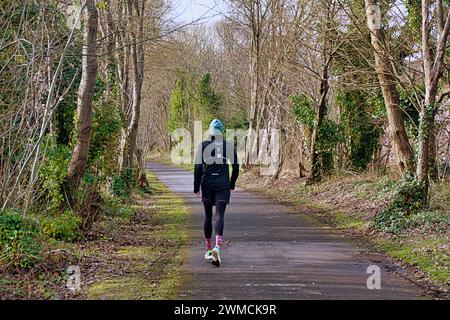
pixel 208 244
pixel 218 241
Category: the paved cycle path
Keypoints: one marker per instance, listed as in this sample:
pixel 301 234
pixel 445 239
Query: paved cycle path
pixel 271 253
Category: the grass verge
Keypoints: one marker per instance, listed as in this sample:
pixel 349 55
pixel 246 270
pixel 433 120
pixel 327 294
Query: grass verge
pixel 149 267
pixel 134 251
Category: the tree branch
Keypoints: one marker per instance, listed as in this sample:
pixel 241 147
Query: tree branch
pixel 444 92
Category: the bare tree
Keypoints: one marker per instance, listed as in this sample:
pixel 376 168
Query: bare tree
pixel 136 33
pixel 254 15
pixel 330 45
pixel 433 69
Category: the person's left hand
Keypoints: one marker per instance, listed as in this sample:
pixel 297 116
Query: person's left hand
pixel 197 194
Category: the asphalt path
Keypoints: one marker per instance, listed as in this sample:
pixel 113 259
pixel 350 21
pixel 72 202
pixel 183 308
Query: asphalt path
pixel 270 252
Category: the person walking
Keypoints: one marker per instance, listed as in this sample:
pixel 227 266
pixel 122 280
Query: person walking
pixel 212 177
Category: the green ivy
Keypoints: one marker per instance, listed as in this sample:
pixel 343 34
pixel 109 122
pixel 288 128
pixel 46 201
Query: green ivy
pixel 414 18
pixel 53 171
pixel 179 103
pixel 238 119
pixel 106 125
pixel 118 187
pixel 193 100
pixel 64 226
pixel 20 243
pixel 360 131
pixel 303 110
pixel 208 101
pixel 330 133
pixel 400 213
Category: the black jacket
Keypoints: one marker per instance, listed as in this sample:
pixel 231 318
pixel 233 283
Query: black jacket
pixel 211 165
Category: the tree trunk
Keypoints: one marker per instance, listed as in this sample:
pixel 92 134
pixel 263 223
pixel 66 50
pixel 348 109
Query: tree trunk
pixel 136 83
pixel 314 171
pixel 123 72
pixel 433 68
pixel 129 136
pixel 140 163
pixel 80 153
pixel 383 65
pixel 254 100
pixel 433 153
pixel 255 19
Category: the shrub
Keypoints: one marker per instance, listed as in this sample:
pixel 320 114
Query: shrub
pixel 303 110
pixel 118 187
pixel 121 185
pixel 64 227
pixel 330 132
pixel 392 220
pixel 53 172
pixel 409 196
pixel 435 221
pixel 20 244
pixel 103 150
pixel 400 213
pixel 359 126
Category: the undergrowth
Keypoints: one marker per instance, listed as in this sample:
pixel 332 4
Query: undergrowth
pixel 406 211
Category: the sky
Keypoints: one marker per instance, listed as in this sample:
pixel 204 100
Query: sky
pixel 191 10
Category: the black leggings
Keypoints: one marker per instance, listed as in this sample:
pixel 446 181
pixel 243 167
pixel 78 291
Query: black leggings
pixel 220 212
